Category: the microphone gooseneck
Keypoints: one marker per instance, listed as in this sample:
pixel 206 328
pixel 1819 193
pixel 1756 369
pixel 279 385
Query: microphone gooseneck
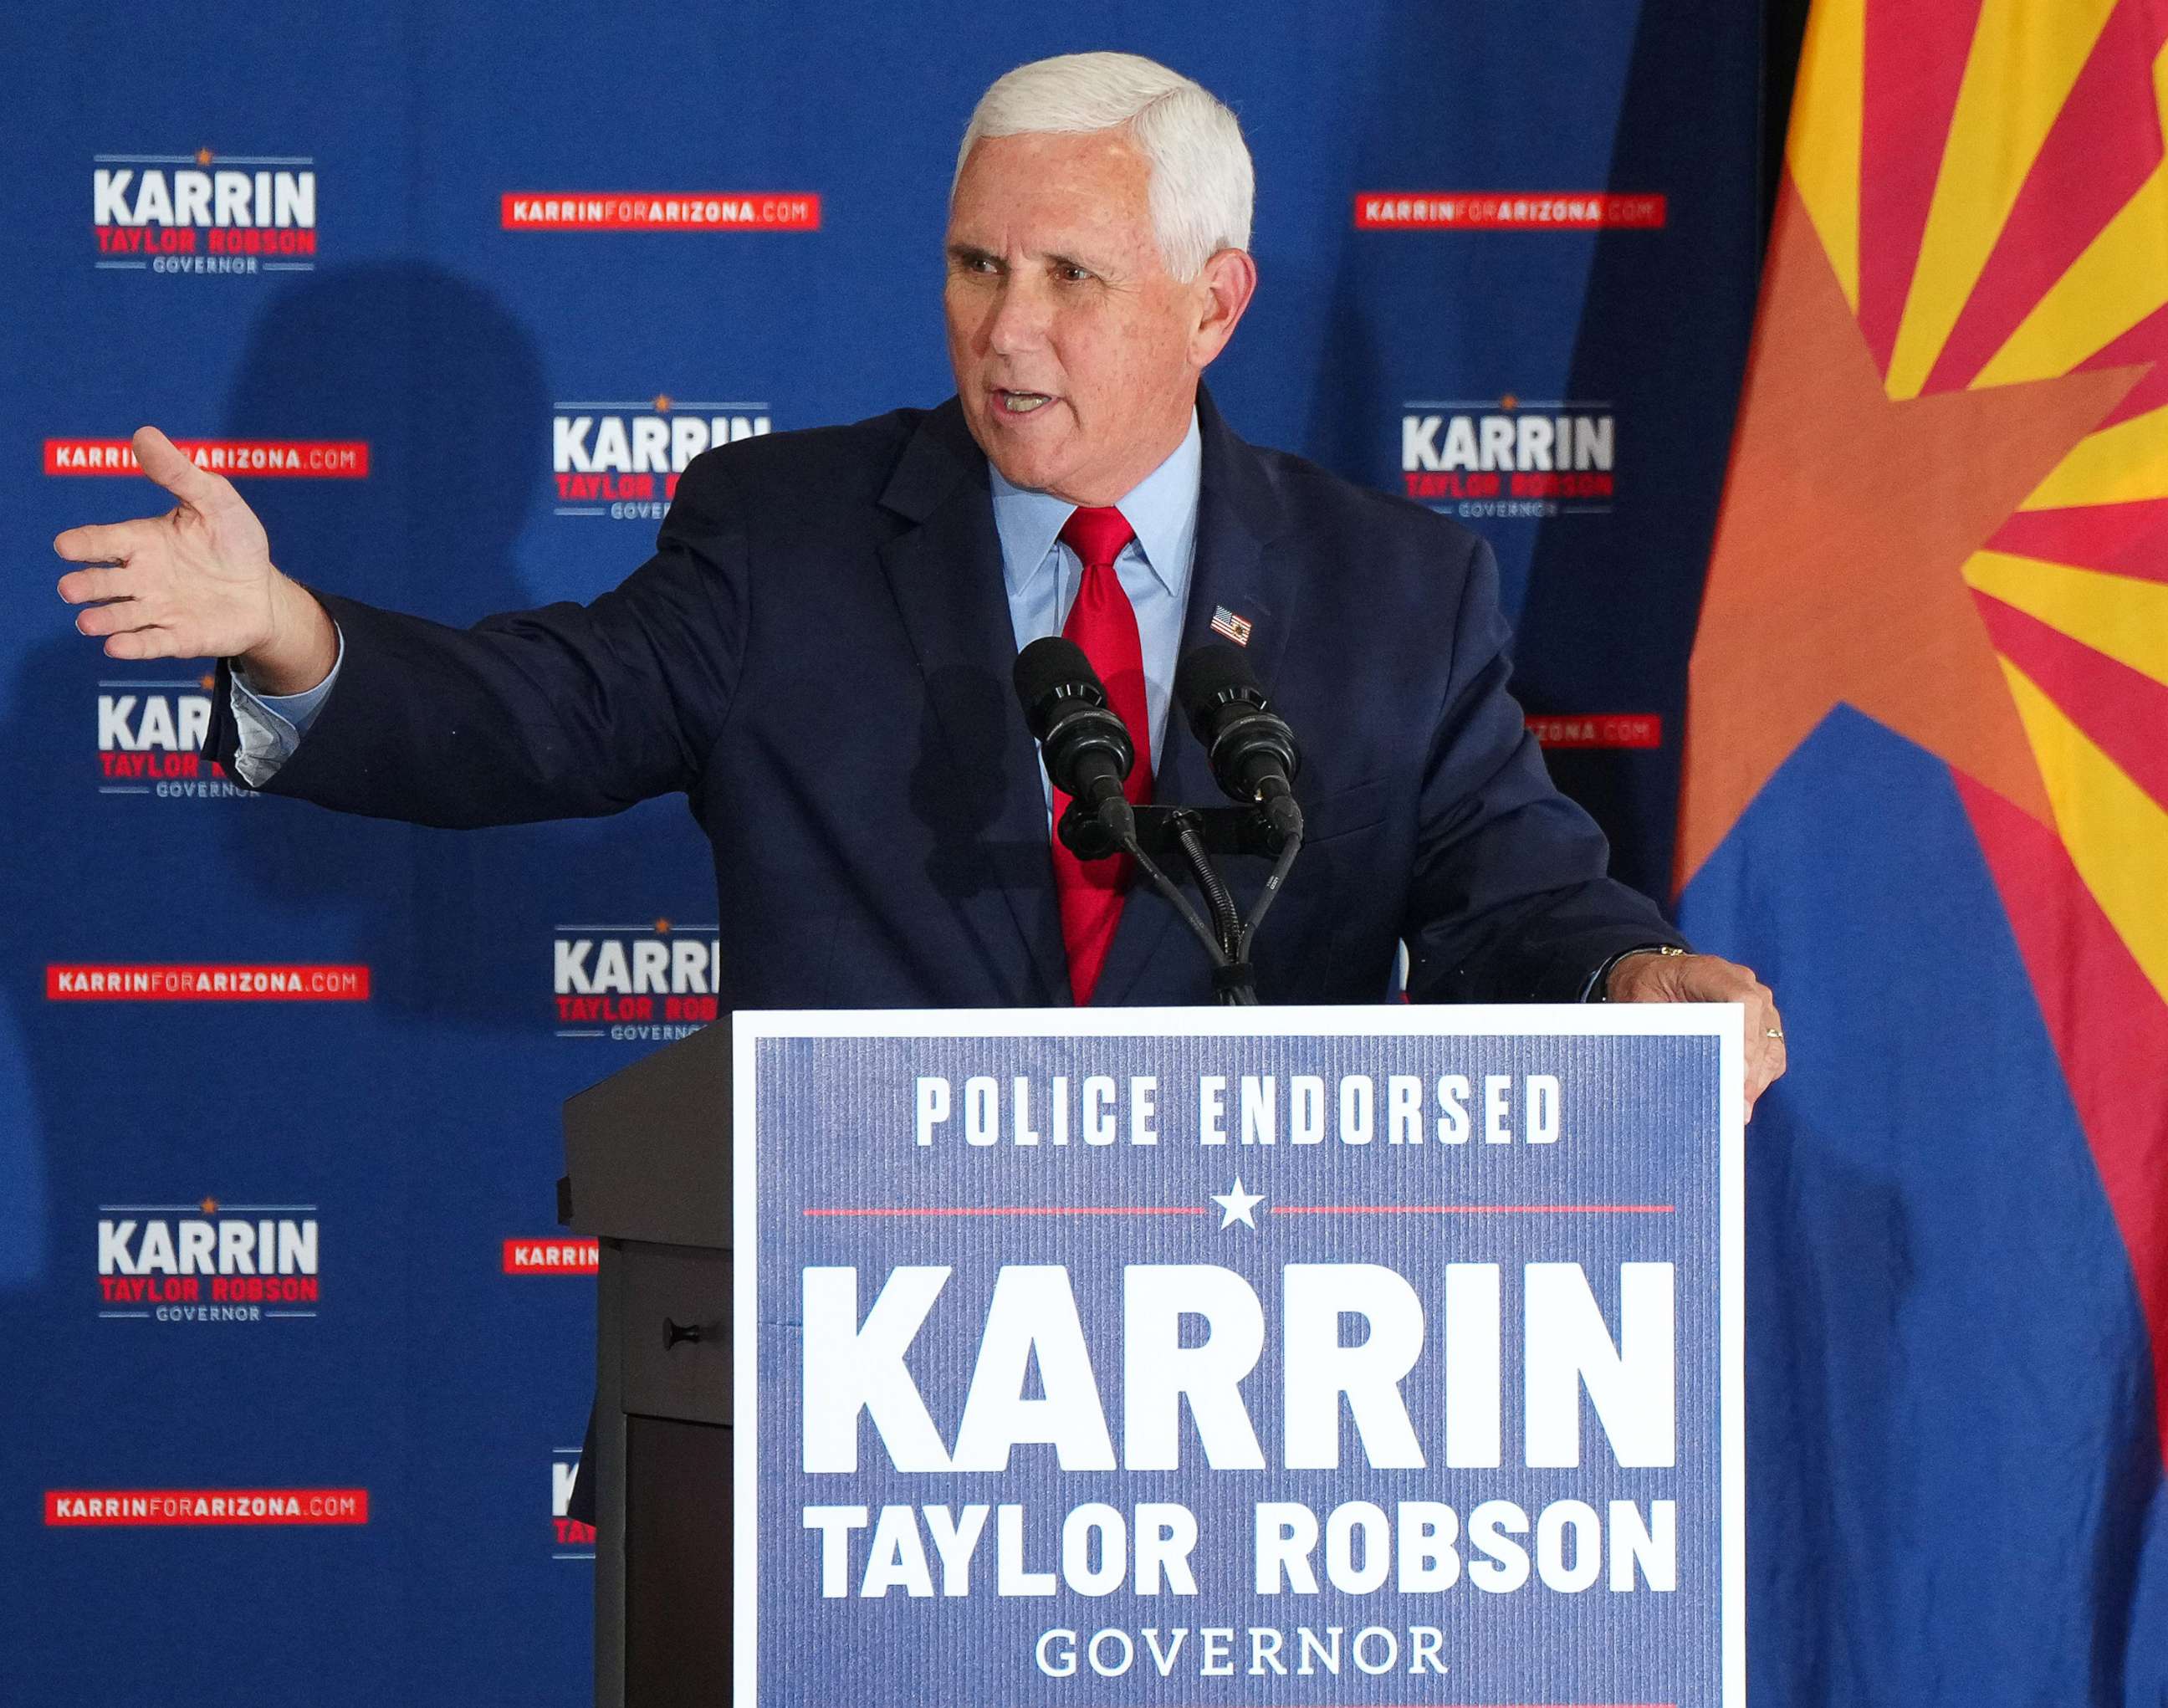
pixel 1087 751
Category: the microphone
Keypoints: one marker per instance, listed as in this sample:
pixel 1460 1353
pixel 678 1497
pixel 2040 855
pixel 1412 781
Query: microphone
pixel 1253 754
pixel 1083 741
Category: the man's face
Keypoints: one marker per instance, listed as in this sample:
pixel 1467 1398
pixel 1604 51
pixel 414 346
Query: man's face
pixel 1076 353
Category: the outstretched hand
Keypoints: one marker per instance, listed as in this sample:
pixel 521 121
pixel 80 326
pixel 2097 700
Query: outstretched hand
pixel 1707 978
pixel 195 583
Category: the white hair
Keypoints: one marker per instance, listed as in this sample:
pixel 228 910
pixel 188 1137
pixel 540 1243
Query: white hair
pixel 1202 183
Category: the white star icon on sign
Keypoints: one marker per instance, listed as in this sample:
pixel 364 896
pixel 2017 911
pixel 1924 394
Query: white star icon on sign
pixel 1239 1206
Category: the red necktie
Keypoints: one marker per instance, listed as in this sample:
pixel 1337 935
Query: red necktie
pixel 1105 624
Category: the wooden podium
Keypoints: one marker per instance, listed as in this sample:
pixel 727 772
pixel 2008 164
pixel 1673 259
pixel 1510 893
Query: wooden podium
pixel 649 1159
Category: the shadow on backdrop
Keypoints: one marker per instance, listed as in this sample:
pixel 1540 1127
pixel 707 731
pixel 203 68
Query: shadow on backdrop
pixel 1606 617
pixel 446 387
pixel 1608 621
pixel 442 383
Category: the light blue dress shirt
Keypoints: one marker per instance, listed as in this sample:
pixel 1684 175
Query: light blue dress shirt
pixel 271 726
pixel 1041 574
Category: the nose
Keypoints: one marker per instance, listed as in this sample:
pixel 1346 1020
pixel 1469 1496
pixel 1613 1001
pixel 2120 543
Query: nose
pixel 1018 323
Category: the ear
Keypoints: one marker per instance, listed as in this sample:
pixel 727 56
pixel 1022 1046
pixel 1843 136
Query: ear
pixel 1225 287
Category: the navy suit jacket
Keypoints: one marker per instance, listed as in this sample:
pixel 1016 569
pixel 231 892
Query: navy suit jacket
pixel 818 657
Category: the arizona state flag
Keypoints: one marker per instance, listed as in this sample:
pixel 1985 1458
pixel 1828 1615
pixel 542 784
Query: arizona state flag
pixel 1925 796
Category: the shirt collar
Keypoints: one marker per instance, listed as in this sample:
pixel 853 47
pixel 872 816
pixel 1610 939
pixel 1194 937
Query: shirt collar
pixel 1161 507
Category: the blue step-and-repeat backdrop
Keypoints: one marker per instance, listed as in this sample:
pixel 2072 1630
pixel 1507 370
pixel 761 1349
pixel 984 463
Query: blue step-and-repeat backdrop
pixel 297 1361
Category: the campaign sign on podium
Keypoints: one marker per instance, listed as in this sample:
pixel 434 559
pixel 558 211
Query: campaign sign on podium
pixel 1319 1356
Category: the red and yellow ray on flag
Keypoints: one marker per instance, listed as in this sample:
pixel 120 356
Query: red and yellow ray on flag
pixel 1948 500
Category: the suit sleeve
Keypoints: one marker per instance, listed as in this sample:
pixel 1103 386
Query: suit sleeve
pixel 567 712
pixel 1510 901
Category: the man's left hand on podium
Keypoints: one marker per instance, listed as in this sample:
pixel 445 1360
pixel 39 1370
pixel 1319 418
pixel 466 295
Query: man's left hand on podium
pixel 1709 978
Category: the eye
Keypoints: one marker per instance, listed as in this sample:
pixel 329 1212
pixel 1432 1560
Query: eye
pixel 1069 273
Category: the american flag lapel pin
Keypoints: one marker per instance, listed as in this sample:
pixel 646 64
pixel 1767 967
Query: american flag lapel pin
pixel 1225 622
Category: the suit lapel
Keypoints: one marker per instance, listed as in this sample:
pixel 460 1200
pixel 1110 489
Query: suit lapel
pixel 1239 515
pixel 945 575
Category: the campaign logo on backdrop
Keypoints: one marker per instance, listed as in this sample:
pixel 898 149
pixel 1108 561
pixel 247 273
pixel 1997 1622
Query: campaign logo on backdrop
pixel 622 461
pixel 208 1262
pixel 221 215
pixel 646 984
pixel 1604 729
pixel 238 459
pixel 150 734
pixel 658 210
pixel 198 981
pixel 554 1255
pixel 69 1507
pixel 1510 457
pixel 107 1508
pixel 570 1538
pixel 1505 210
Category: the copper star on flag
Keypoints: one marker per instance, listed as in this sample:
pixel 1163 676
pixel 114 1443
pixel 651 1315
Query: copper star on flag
pixel 1948 501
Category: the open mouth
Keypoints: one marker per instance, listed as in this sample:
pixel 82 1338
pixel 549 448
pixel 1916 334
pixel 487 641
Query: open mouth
pixel 1020 402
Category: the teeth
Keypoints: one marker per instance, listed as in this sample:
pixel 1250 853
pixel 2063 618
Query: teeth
pixel 1023 402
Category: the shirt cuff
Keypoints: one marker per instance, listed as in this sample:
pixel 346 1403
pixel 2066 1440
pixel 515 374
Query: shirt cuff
pixel 271 726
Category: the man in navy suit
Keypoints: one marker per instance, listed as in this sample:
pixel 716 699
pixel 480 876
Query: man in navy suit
pixel 819 654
